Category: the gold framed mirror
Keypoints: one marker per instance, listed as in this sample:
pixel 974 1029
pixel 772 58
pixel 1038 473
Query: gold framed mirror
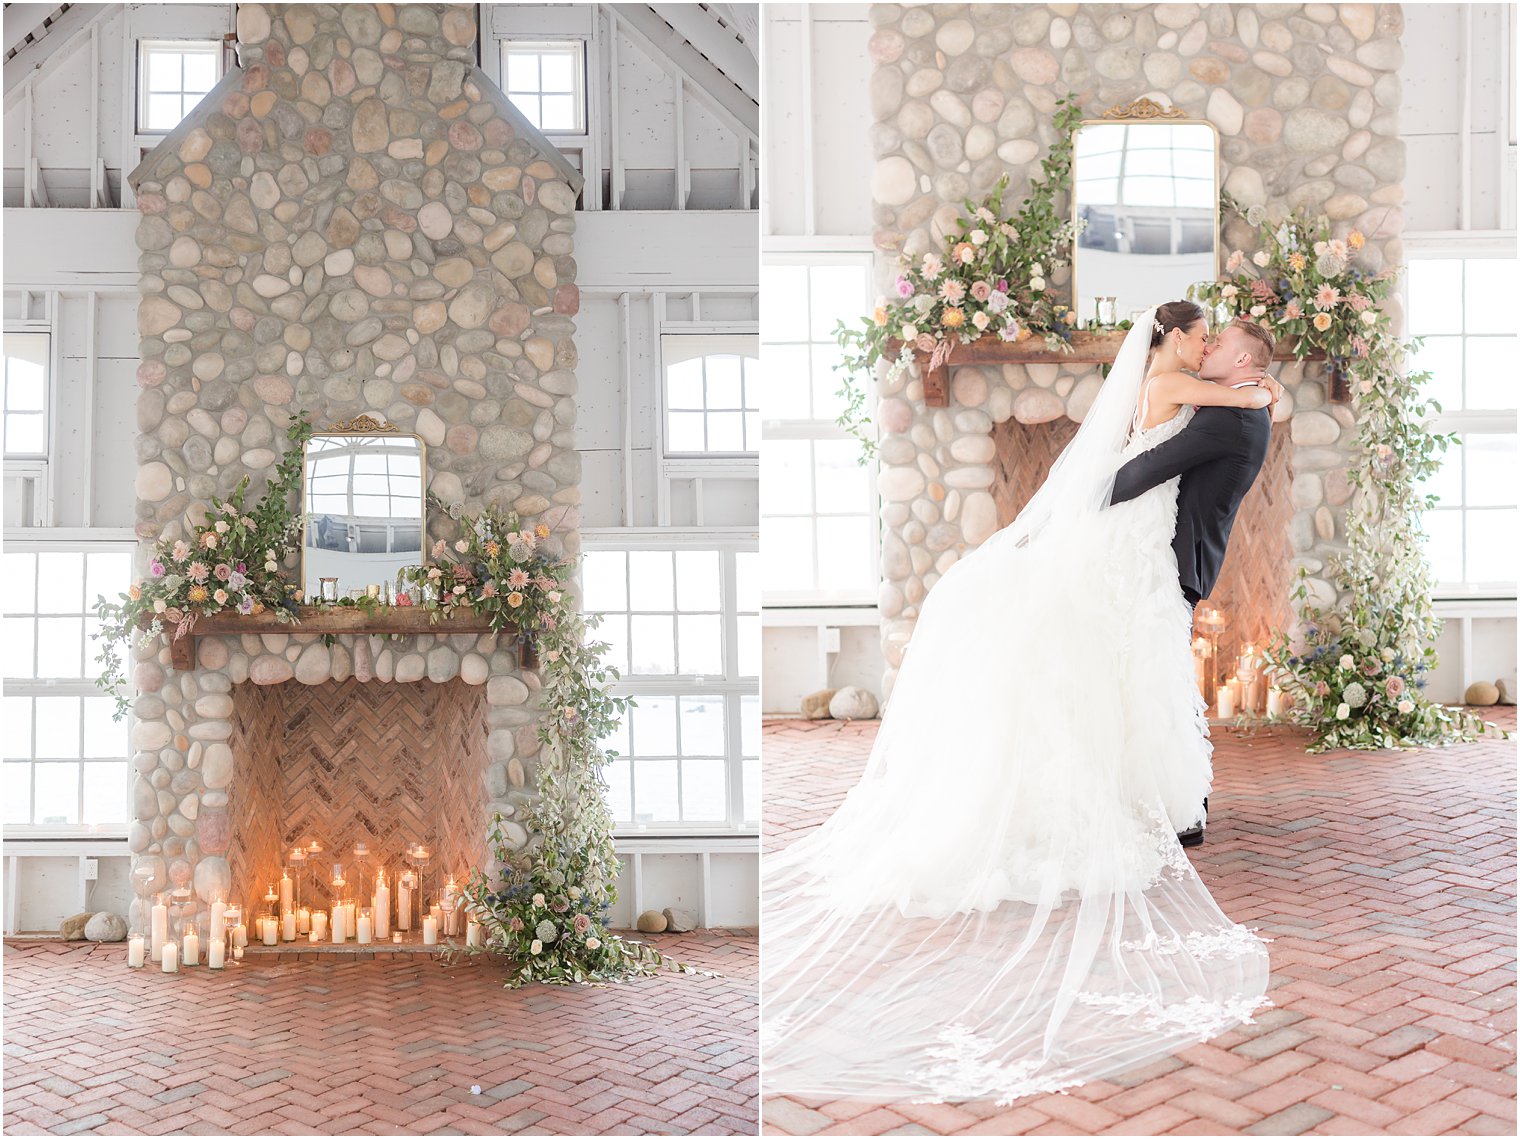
pixel 364 505
pixel 1145 180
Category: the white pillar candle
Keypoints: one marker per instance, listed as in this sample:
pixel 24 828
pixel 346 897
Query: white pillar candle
pixel 436 912
pixel 396 937
pixel 136 952
pixel 1274 701
pixel 319 925
pixel 472 934
pixel 160 931
pixel 381 909
pixel 364 929
pixel 430 930
pixel 218 928
pixel 351 920
pixel 240 939
pixel 169 955
pixel 287 891
pixel 237 952
pixel 303 920
pixel 1225 702
pixel 216 954
pixel 404 905
pixel 271 931
pixel 192 954
pixel 288 926
pixel 339 933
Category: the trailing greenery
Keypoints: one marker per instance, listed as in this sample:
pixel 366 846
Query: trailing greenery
pixel 991 278
pixel 1357 671
pixel 229 563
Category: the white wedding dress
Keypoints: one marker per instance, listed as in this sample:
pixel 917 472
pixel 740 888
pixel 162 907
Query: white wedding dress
pixel 1001 907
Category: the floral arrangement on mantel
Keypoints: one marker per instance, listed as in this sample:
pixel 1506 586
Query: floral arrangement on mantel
pixel 229 563
pixel 1356 673
pixel 991 279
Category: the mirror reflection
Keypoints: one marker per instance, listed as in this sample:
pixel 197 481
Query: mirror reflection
pixel 364 509
pixel 1148 193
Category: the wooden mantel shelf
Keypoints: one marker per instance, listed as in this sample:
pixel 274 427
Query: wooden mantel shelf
pixel 1086 348
pixel 324 619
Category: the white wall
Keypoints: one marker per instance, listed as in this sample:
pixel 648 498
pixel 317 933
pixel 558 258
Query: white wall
pixel 1458 115
pixel 816 175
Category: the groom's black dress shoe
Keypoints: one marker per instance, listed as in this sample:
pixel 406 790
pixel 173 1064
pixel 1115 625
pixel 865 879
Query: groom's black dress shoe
pixel 1193 836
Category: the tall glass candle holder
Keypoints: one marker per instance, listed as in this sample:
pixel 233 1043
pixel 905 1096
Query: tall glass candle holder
pixel 421 857
pixel 361 868
pixel 407 893
pixel 235 932
pixel 452 905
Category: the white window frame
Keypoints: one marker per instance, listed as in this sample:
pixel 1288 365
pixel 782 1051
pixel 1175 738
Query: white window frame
pixel 731 686
pixel 37 471
pixel 825 429
pixel 1464 245
pixel 60 540
pixel 546 45
pixel 147 46
pixel 688 461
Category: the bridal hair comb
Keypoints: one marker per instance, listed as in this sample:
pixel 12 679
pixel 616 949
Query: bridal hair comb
pixel 1156 324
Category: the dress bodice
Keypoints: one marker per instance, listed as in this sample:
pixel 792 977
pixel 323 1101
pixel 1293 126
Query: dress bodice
pixel 1143 439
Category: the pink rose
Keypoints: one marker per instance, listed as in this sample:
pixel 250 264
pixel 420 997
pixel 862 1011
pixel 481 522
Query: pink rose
pixel 1395 686
pixel 581 923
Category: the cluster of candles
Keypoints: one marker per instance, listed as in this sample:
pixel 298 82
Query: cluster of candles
pixel 1249 692
pixel 287 920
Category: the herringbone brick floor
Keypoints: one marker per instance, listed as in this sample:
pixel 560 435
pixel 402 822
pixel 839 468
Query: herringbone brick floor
pixel 384 1047
pixel 1387 881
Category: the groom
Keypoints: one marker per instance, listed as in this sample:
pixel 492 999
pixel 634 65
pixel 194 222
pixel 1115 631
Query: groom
pixel 1218 454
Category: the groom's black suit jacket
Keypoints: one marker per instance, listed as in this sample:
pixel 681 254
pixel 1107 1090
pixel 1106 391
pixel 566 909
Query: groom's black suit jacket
pixel 1218 456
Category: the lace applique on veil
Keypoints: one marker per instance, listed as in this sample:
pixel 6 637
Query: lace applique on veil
pixel 961 1071
pixel 1197 1016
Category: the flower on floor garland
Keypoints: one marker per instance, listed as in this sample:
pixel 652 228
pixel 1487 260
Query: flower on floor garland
pixel 1357 672
pixel 228 563
pixel 992 278
pixel 544 907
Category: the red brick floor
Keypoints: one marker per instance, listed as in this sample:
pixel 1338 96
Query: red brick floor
pixel 376 1047
pixel 1387 881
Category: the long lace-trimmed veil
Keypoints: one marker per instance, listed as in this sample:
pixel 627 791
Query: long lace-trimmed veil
pixel 1000 906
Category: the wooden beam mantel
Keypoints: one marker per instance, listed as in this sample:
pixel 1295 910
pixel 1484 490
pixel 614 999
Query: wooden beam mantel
pixel 320 619
pixel 1086 348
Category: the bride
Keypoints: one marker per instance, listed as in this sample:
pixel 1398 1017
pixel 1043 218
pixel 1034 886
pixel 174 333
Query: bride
pixel 1001 907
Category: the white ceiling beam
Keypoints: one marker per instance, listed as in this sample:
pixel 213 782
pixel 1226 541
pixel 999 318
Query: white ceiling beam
pixel 719 44
pixel 22 20
pixel 737 111
pixel 67 33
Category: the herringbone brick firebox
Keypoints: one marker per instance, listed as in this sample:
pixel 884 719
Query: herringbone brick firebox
pixel 389 765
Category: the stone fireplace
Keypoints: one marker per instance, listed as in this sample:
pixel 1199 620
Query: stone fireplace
pixel 354 221
pixel 1305 98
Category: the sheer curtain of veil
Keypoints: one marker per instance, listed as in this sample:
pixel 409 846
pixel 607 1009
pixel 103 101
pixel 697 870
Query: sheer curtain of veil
pixel 1000 906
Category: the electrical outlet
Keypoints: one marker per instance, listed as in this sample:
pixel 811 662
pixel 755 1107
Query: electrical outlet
pixel 91 869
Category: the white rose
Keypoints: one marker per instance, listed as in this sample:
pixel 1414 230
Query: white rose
pixel 980 320
pixel 270 567
pixel 1343 712
pixel 1037 284
pixel 1347 662
pixel 538 899
pixel 458 590
pixel 536 948
pixel 1406 707
pixel 910 332
pixel 159 605
pixel 1037 270
pixel 593 943
pixel 1257 310
pixel 978 237
pixel 554 595
pixel 1389 654
pixel 1369 316
pixel 1261 258
pixel 461 546
pixel 222 527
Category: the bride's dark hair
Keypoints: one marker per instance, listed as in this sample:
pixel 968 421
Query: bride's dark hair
pixel 1175 314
